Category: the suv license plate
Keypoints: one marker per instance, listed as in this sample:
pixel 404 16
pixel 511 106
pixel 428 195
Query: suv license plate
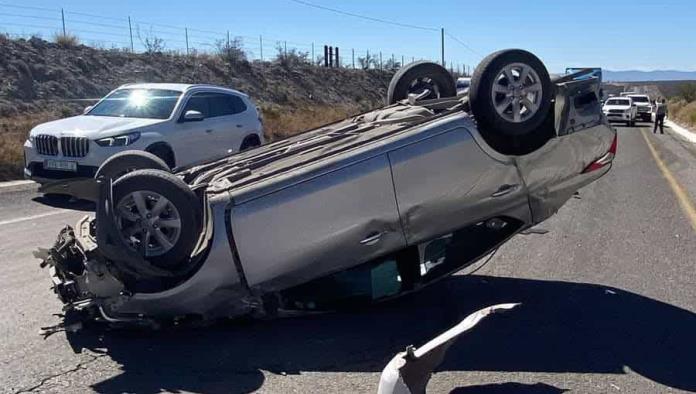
pixel 60 165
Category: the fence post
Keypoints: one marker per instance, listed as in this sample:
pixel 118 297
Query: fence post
pixel 228 40
pixel 380 60
pixel 367 58
pixel 330 56
pixel 338 59
pixel 442 33
pixel 413 59
pixel 313 58
pixel 285 46
pixel 187 45
pixel 62 18
pixel 402 60
pixel 130 29
pixel 352 51
pixel 261 46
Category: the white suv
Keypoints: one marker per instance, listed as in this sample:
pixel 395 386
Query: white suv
pixel 642 103
pixel 181 124
pixel 620 109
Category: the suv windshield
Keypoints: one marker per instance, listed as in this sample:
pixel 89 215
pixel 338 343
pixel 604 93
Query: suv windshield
pixel 618 102
pixel 137 103
pixel 640 99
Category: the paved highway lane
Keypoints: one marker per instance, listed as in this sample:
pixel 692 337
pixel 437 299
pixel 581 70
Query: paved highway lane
pixel 608 306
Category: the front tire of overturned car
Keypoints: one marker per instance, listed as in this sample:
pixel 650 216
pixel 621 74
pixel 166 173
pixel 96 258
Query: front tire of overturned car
pixel 511 99
pixel 416 77
pixel 158 216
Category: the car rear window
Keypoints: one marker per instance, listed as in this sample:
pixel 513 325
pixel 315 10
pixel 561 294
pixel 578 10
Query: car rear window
pixel 640 99
pixel 225 104
pixel 618 102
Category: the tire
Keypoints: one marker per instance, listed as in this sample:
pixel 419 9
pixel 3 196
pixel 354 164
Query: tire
pixel 250 142
pixel 417 76
pixel 133 225
pixel 123 162
pixel 507 127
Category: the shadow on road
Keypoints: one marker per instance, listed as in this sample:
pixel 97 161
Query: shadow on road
pixel 64 202
pixel 561 327
pixel 506 388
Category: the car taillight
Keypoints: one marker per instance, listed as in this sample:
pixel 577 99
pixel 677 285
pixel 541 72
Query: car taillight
pixel 607 158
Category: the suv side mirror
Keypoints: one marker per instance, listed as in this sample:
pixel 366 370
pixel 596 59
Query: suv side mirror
pixel 193 116
pixel 87 109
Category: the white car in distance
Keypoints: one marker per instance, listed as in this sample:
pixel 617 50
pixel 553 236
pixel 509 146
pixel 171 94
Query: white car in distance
pixel 620 109
pixel 642 103
pixel 181 124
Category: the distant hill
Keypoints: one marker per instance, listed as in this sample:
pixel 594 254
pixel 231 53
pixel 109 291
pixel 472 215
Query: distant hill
pixel 646 76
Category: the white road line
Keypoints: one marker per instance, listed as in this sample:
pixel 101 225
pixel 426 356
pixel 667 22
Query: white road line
pixel 688 135
pixel 34 217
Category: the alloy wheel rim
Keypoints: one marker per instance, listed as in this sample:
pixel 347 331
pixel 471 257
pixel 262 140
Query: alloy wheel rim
pixel 148 222
pixel 516 92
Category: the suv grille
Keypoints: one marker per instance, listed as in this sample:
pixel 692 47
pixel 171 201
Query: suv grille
pixel 616 111
pixel 74 146
pixel 46 144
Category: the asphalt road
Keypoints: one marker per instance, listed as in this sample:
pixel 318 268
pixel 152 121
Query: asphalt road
pixel 608 299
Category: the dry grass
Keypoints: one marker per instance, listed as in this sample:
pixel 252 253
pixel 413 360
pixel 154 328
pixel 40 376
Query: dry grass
pixel 66 40
pixel 13 133
pixel 683 113
pixel 282 122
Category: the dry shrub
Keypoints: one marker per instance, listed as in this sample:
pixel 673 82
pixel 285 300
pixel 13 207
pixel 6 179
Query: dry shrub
pixel 279 122
pixel 66 40
pixel 13 132
pixel 683 113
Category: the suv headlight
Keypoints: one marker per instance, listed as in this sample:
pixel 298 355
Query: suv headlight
pixel 119 140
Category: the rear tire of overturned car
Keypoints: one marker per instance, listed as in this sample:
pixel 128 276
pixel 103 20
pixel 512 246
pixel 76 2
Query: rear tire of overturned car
pixel 158 216
pixel 418 76
pixel 511 99
pixel 124 162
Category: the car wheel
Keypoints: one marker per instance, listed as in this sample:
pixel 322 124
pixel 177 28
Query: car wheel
pixel 158 216
pixel 124 162
pixel 511 96
pixel 423 77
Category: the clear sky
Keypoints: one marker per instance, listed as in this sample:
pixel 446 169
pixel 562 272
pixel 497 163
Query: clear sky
pixel 617 35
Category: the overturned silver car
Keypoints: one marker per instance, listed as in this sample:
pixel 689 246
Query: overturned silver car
pixel 365 209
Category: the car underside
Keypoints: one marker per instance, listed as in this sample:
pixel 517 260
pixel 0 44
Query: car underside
pixel 362 210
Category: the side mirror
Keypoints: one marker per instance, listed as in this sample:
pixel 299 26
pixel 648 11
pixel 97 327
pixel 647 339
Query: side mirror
pixel 193 116
pixel 87 109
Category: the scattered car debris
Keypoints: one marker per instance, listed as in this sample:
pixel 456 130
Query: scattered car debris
pixel 409 371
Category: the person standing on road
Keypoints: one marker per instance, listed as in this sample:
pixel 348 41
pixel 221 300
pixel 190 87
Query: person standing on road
pixel 660 113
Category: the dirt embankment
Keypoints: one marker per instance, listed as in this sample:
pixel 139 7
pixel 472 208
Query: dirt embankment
pixel 41 81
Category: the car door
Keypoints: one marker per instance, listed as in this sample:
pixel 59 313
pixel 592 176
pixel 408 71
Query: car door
pixel 229 123
pixel 320 225
pixel 448 181
pixel 194 141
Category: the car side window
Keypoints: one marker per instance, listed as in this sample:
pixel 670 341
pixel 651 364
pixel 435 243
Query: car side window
pixel 198 102
pixel 225 104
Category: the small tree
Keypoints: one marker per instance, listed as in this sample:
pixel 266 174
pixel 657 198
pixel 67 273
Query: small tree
pixel 231 51
pixel 291 58
pixel 150 41
pixel 687 91
pixel 392 65
pixel 369 61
